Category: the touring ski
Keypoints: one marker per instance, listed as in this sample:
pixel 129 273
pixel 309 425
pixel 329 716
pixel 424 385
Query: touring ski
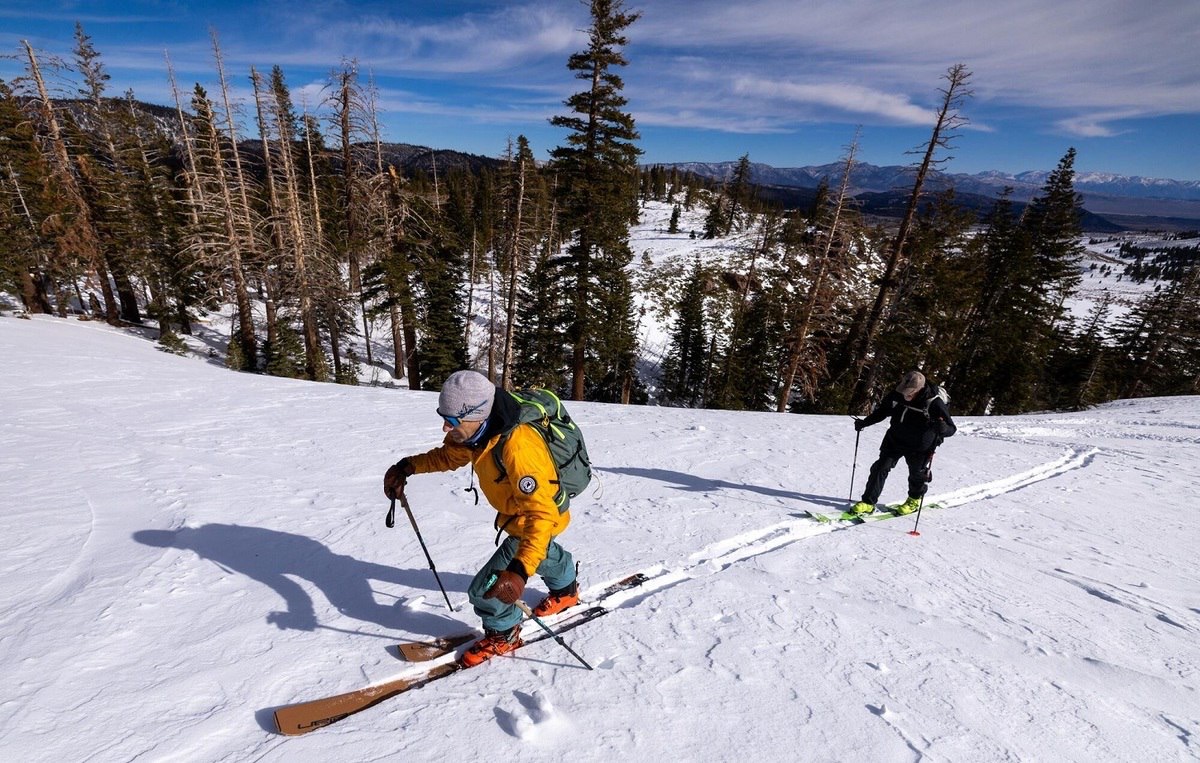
pixel 304 717
pixel 881 512
pixel 423 651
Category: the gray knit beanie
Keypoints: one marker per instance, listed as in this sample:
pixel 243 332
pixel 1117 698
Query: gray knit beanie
pixel 466 395
pixel 913 381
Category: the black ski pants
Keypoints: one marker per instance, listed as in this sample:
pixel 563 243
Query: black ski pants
pixel 918 463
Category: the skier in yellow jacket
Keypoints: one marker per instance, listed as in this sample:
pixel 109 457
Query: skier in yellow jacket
pixel 476 414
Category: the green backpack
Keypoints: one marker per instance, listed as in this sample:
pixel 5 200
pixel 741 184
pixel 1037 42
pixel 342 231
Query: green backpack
pixel 542 409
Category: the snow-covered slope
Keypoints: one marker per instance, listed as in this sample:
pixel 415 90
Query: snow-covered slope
pixel 186 549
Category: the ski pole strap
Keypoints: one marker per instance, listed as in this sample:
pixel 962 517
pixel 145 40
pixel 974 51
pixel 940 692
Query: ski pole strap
pixel 390 519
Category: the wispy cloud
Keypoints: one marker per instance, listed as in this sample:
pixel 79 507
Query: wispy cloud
pixel 471 43
pixel 1088 55
pixel 1091 69
pixel 1098 125
pixel 841 96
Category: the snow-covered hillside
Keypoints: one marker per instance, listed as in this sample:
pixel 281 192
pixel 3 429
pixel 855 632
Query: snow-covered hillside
pixel 187 549
pixel 1102 270
pixel 655 249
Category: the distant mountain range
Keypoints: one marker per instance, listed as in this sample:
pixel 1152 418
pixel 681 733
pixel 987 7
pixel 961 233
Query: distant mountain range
pixel 1123 200
pixel 1113 202
pixel 872 178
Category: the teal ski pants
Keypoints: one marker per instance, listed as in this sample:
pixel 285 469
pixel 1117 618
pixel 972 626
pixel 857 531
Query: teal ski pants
pixel 557 570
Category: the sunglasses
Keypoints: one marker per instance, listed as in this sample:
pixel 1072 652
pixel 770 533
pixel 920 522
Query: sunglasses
pixel 451 420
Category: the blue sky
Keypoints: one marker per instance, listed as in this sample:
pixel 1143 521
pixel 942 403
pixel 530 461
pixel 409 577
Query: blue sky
pixel 787 81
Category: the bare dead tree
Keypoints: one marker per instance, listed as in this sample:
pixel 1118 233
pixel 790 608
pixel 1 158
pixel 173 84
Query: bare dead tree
pixel 948 119
pixel 293 210
pixel 819 266
pixel 515 246
pixel 110 197
pixel 217 203
pixel 356 122
pixel 77 234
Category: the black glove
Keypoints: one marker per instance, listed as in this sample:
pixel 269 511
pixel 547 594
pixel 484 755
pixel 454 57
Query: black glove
pixel 860 425
pixel 508 587
pixel 396 477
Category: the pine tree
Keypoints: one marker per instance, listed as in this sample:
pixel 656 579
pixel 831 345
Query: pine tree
pixel 751 346
pixel 718 220
pixel 26 254
pixel 1052 226
pixel 598 169
pixel 1054 222
pixel 102 178
pixel 1083 368
pixel 686 365
pixel 1159 341
pixel 156 224
pixel 740 191
pixel 443 350
pixel 539 355
pixel 934 294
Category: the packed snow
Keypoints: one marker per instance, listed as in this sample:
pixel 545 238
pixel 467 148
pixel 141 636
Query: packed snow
pixel 187 549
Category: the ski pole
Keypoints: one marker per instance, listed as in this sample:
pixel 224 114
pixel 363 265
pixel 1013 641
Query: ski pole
pixel 529 613
pixel 854 467
pixel 389 522
pixel 521 605
pixel 920 506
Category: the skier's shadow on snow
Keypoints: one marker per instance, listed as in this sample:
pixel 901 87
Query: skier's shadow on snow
pixel 274 558
pixel 692 483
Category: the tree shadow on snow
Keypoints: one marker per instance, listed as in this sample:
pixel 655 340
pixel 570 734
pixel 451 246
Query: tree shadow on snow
pixel 273 558
pixel 692 483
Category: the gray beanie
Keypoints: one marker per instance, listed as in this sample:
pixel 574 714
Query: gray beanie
pixel 913 381
pixel 466 395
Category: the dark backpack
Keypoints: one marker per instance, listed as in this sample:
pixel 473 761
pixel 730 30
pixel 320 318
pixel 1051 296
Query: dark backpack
pixel 939 393
pixel 542 409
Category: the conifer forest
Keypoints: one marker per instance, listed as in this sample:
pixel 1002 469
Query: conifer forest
pixel 326 244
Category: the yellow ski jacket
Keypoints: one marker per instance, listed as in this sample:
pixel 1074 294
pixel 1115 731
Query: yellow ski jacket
pixel 523 497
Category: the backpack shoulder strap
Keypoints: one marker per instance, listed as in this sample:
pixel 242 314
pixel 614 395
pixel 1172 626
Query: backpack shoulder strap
pixel 537 407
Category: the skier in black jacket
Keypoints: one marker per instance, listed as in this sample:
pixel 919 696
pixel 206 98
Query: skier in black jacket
pixel 920 421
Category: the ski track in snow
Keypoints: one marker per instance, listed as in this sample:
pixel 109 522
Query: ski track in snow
pixel 721 555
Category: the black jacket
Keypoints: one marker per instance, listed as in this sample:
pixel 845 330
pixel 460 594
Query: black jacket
pixel 916 426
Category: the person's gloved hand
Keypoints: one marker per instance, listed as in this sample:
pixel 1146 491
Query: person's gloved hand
pixel 508 587
pixel 396 477
pixel 860 425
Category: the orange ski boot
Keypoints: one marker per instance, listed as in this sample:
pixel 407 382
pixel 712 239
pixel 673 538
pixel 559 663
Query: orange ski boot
pixel 558 600
pixel 492 644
